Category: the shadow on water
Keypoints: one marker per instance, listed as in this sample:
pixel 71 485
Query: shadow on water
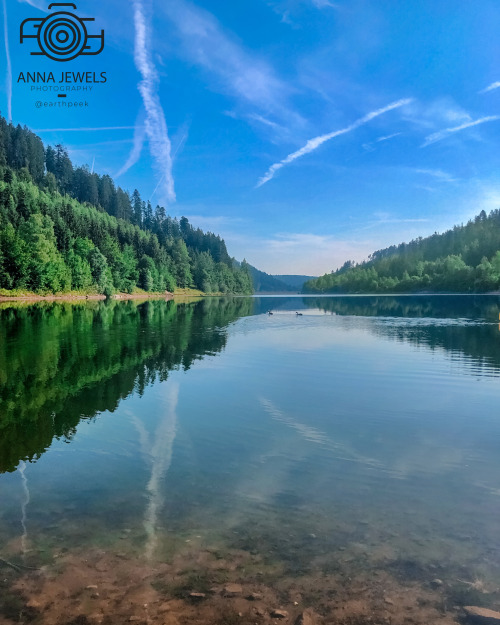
pixel 61 363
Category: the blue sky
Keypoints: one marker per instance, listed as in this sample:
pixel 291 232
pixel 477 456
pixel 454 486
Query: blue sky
pixel 306 132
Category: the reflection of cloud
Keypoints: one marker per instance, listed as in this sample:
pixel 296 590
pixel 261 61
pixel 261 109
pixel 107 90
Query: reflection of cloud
pixel 312 435
pixel 158 452
pixel 24 537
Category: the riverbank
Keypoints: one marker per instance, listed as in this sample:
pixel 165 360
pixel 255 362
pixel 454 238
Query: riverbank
pixel 26 296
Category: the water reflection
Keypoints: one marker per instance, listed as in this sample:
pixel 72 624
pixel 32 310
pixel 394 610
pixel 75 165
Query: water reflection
pixel 157 450
pixel 326 459
pixel 61 363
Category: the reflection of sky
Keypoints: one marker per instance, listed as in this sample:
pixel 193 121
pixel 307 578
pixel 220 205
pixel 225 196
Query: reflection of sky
pixel 315 406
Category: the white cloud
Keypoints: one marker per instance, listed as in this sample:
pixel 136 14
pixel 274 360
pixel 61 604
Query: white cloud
pixel 395 134
pixel 369 147
pixel 439 174
pixel 436 113
pixel 315 143
pixel 85 129
pixel 38 4
pixel 298 253
pixel 493 86
pixel 237 72
pixel 155 124
pixel 323 4
pixel 438 136
pixel 135 153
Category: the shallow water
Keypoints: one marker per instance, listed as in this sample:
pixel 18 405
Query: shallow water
pixel 358 439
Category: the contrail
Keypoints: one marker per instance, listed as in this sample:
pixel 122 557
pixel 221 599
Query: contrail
pixel 493 86
pixel 9 64
pixel 139 136
pixel 313 144
pixel 96 129
pixel 437 136
pixel 156 125
pixel 181 143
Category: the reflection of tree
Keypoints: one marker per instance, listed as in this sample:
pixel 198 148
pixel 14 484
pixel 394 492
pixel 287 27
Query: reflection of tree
pixel 478 341
pixel 60 363
pixel 436 306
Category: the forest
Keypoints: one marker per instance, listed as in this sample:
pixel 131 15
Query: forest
pixel 465 259
pixel 67 229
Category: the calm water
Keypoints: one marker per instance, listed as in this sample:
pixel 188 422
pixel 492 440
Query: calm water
pixel 359 438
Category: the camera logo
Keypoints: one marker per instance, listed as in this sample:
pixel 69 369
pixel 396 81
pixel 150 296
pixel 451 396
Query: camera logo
pixel 62 36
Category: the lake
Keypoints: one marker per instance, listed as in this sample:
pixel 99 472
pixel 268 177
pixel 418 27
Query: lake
pixel 204 461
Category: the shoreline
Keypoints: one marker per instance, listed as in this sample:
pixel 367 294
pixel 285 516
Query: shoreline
pixel 94 297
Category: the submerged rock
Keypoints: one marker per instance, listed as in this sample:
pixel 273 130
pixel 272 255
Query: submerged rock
pixel 232 590
pixel 482 616
pixel 197 595
pixel 279 614
pixel 254 596
pixel 308 617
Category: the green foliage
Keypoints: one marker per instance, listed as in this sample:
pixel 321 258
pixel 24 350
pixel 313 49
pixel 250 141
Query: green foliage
pixel 463 260
pixel 64 228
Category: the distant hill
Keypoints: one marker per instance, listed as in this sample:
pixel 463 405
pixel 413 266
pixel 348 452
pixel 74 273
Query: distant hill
pixel 297 282
pixel 265 283
pixel 465 259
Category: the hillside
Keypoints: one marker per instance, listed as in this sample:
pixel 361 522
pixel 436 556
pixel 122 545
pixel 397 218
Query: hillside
pixel 265 283
pixel 64 228
pixel 295 281
pixel 464 259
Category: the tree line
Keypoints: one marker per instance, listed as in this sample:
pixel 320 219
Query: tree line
pixel 65 228
pixel 465 259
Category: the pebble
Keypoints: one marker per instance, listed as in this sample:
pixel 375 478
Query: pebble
pixel 197 595
pixel 389 601
pixel 232 590
pixel 436 583
pixel 279 614
pixel 91 587
pixel 254 596
pixel 482 615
